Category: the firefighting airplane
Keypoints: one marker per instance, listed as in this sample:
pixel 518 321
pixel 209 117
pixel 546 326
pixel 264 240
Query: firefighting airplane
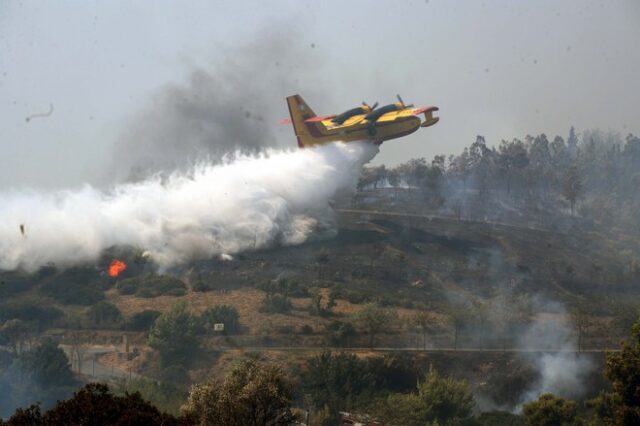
pixel 357 124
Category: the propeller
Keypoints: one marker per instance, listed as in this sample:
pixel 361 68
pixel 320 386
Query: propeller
pixel 371 107
pixel 402 102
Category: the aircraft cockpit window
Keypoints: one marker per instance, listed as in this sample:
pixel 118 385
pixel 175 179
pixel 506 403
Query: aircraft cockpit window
pixel 340 119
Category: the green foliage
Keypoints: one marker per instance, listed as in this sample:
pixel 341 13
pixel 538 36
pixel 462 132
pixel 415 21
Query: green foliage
pixel 275 304
pixel 499 418
pixel 202 286
pixel 445 398
pixel 94 404
pixel 439 400
pixel 550 410
pixel 41 374
pixel 225 314
pixel 104 314
pixel 12 283
pixel 306 329
pixel 373 320
pixel 622 405
pixel 173 335
pixel 250 395
pixel 393 372
pixel 14 332
pixel 32 311
pixel 321 305
pixel 160 394
pixel 152 285
pixel 339 333
pixel 47 364
pixel 142 321
pixel 572 186
pixel 75 286
pixel 335 380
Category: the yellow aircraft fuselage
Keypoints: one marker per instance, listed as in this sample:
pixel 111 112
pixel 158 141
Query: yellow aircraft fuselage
pixel 363 123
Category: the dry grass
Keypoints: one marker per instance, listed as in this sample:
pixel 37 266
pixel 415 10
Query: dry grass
pixel 247 301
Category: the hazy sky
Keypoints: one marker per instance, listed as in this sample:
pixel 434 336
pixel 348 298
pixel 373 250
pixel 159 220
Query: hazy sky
pixel 499 68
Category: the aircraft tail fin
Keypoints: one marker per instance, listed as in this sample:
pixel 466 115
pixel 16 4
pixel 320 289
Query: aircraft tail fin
pixel 300 111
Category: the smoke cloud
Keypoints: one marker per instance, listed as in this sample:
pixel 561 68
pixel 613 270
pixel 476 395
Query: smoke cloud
pixel 246 202
pixel 230 105
pixel 562 370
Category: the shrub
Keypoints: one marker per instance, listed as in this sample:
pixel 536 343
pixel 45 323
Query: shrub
pixel 95 404
pixel 201 286
pixel 152 285
pixel 30 310
pixel 165 395
pixel 306 329
pixel 12 283
pixel 550 410
pixel 142 321
pixel 355 297
pixel 225 314
pixel 127 287
pixel 251 394
pixel 104 314
pixel 276 304
pixel 339 332
pixel 173 335
pixel 75 286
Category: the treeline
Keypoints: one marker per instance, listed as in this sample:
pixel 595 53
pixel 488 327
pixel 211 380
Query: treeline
pixel 256 392
pixel 595 176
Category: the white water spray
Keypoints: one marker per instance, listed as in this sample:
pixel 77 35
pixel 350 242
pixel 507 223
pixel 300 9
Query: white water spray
pixel 245 203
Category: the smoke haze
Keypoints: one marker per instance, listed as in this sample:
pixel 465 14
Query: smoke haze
pixel 223 107
pixel 562 370
pixel 247 202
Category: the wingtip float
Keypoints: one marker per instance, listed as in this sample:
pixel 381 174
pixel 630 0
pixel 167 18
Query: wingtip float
pixel 360 123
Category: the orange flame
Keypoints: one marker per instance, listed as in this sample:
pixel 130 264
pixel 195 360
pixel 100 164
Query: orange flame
pixel 116 267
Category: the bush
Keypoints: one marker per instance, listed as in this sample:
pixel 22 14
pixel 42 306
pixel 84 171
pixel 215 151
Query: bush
pixel 201 286
pixel 12 283
pixel 355 297
pixel 339 333
pixel 94 404
pixel 173 335
pixel 142 321
pixel 104 314
pixel 550 410
pixel 152 285
pixel 161 394
pixel 499 418
pixel 30 310
pixel 276 304
pixel 40 374
pixel 306 329
pixel 251 394
pixel 75 286
pixel 225 314
pixel 127 287
pixel 439 400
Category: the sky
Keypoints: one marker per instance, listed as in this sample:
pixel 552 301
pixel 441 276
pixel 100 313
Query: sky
pixel 129 81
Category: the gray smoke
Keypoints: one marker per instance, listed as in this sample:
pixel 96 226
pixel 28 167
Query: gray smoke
pixel 230 106
pixel 550 344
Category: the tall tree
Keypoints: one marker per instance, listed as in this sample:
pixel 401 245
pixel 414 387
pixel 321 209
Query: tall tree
pixel 373 320
pixel 173 335
pixel 250 395
pixel 572 186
